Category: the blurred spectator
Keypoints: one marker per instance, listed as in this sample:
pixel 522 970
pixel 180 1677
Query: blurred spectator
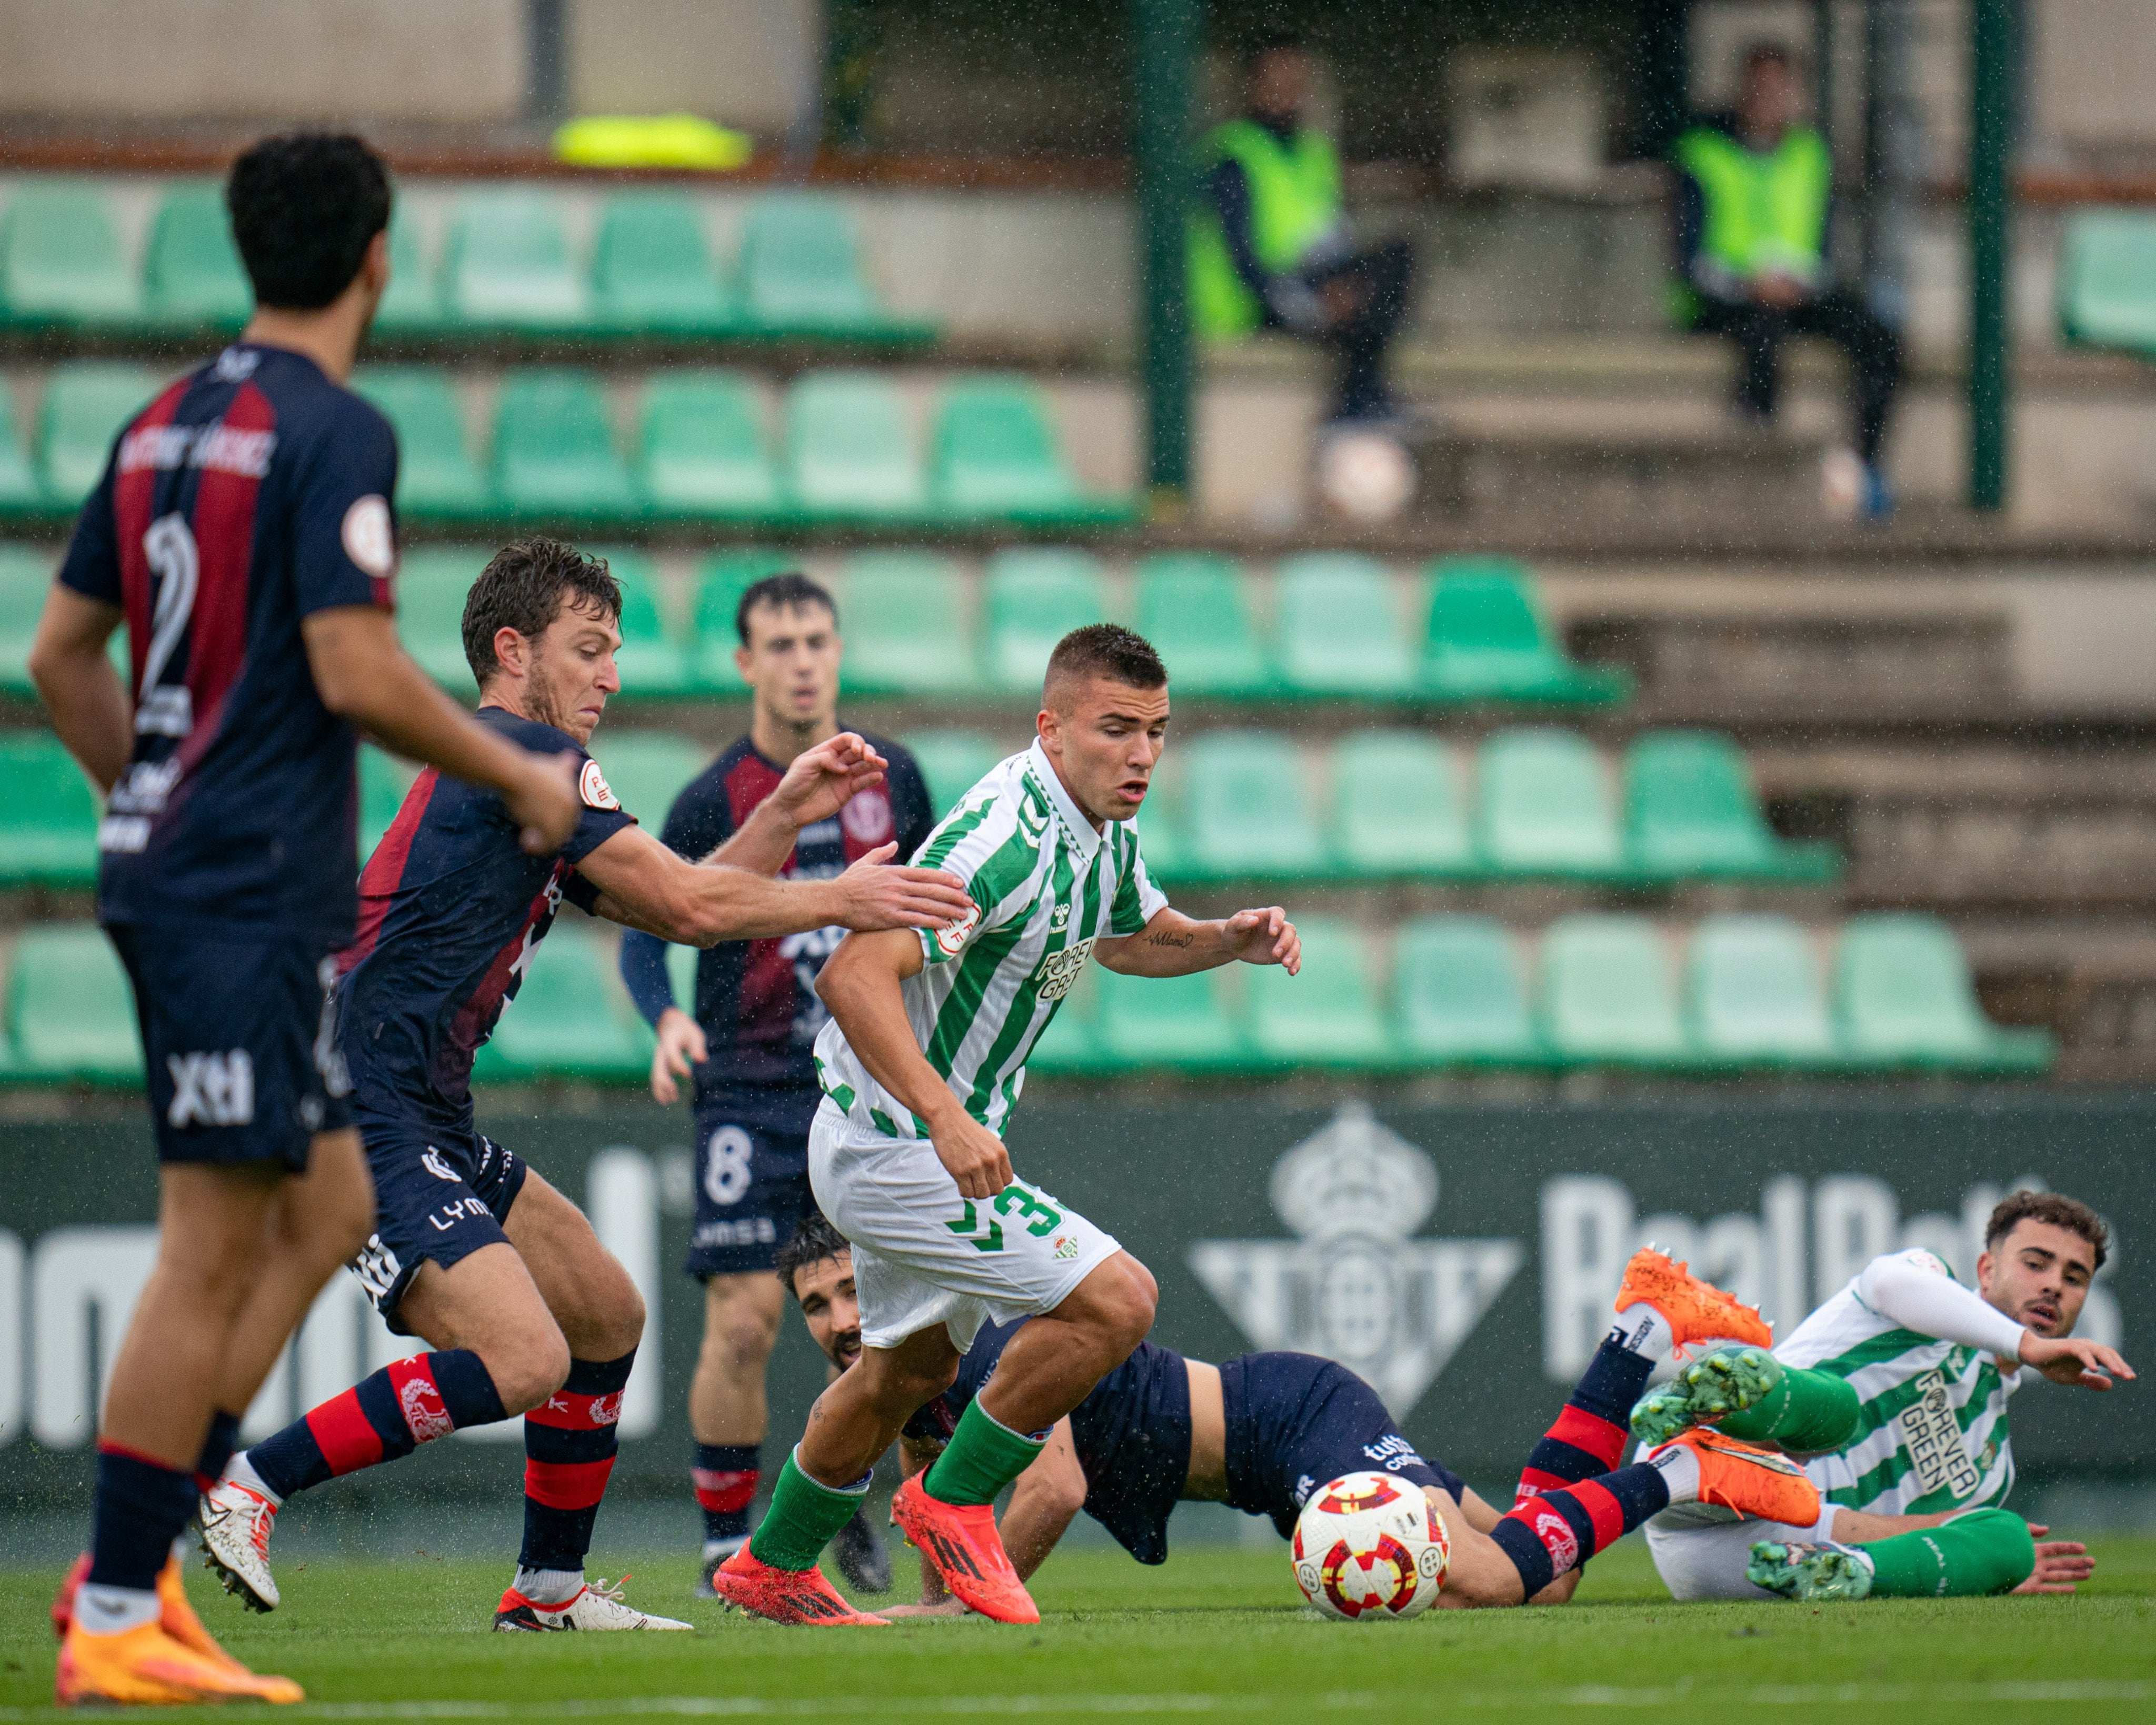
pixel 1755 197
pixel 1268 247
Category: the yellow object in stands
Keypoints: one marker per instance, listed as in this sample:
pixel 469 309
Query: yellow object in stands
pixel 651 141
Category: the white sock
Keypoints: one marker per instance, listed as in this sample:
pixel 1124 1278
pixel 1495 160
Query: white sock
pixel 1644 1331
pixel 1823 1528
pixel 720 1548
pixel 115 1610
pixel 549 1587
pixel 1679 1467
pixel 241 1472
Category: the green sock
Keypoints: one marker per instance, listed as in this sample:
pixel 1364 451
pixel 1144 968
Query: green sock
pixel 1986 1551
pixel 983 1457
pixel 1806 1412
pixel 802 1518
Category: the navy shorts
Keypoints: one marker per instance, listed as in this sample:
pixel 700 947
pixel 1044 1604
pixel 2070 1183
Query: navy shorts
pixel 1296 1422
pixel 437 1195
pixel 239 1042
pixel 752 1192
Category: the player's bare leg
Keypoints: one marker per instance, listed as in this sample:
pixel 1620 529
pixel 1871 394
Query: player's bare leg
pixel 729 1412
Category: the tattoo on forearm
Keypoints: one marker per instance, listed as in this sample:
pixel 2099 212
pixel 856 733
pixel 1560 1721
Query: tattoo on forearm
pixel 1169 938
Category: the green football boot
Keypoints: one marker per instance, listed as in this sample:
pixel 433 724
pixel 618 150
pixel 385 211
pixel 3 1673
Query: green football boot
pixel 1725 1382
pixel 1809 1573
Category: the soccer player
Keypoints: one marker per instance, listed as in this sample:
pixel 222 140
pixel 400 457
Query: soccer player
pixel 750 1047
pixel 526 1312
pixel 243 530
pixel 1895 1393
pixel 1261 1432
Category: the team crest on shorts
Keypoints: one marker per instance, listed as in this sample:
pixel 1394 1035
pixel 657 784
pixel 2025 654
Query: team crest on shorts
pixel 1065 1248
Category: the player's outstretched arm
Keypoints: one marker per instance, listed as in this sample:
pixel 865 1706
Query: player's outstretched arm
pixel 363 674
pixel 820 782
pixel 2072 1360
pixel 79 685
pixel 1172 944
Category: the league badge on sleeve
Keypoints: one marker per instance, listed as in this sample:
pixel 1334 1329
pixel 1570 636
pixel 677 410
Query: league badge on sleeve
pixel 592 786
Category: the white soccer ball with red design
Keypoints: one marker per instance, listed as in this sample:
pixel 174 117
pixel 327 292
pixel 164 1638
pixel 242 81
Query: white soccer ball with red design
pixel 1370 1545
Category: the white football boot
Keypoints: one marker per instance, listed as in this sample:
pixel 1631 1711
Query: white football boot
pixel 236 1521
pixel 597 1607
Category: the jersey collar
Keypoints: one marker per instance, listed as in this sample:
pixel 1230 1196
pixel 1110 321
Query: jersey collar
pixel 1083 838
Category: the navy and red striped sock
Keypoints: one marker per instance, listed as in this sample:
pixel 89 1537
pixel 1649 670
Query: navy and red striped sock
pixel 1560 1530
pixel 725 1476
pixel 569 1446
pixel 408 1403
pixel 1589 1435
pixel 140 1507
pixel 217 1449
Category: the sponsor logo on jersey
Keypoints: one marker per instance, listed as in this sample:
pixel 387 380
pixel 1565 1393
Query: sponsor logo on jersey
pixel 367 539
pixel 592 786
pixel 867 818
pixel 1059 972
pixel 424 1413
pixel 1934 1438
pixel 212 1089
pixel 431 1159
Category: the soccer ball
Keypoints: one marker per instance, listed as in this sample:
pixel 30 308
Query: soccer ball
pixel 1370 1545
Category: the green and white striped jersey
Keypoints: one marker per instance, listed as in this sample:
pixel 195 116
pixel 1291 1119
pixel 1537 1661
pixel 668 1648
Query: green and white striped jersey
pixel 1932 1431
pixel 1045 886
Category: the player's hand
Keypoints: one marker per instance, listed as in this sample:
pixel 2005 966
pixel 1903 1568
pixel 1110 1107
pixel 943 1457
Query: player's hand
pixel 1263 936
pixel 681 1046
pixel 942 1608
pixel 823 779
pixel 546 806
pixel 2072 1360
pixel 973 1155
pixel 873 895
pixel 2061 1564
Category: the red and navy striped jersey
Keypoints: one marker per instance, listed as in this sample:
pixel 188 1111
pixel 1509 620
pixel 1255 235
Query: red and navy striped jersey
pixel 757 1000
pixel 451 906
pixel 249 494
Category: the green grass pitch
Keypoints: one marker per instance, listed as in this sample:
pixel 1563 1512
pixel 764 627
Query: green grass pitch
pixel 1216 1631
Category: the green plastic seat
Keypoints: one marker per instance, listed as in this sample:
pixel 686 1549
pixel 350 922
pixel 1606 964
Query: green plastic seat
pixel 432 582
pixel 2106 286
pixel 801 269
pixel 71 1011
pixel 86 403
pixel 19 479
pixel 414 301
pixel 1543 806
pixel 997 454
pixel 1194 608
pixel 1903 996
pixel 26 577
pixel 652 268
pixel 1398 806
pixel 1609 994
pixel 1033 599
pixel 1755 994
pixel 571 1018
pixel 507 264
pixel 1460 993
pixel 435 473
pixel 651 662
pixel 554 451
pixel 1489 641
pixel 1690 810
pixel 721 579
pixel 383 781
pixel 1178 1021
pixel 50 836
pixel 1328 1014
pixel 193 274
pixel 952 761
pixel 1070 1043
pixel 1247 810
pixel 904 615
pixel 704 449
pixel 60 260
pixel 850 453
pixel 646 770
pixel 1162 836
pixel 1339 629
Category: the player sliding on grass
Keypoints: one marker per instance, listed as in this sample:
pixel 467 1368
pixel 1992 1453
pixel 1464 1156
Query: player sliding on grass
pixel 1895 1392
pixel 921 1067
pixel 528 1313
pixel 1260 1432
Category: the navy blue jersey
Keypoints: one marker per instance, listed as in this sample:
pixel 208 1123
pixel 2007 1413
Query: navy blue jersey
pixel 757 1000
pixel 450 907
pixel 249 494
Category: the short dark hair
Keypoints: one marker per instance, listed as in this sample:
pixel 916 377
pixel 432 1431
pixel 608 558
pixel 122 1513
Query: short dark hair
pixel 304 206
pixel 2055 1208
pixel 524 586
pixel 812 1240
pixel 786 590
pixel 1106 649
pixel 1767 52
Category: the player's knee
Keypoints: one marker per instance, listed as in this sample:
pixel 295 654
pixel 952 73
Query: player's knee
pixel 528 1368
pixel 1127 1309
pixel 742 1340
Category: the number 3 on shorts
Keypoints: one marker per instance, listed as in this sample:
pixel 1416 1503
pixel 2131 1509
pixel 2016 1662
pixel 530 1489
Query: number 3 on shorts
pixel 1040 1218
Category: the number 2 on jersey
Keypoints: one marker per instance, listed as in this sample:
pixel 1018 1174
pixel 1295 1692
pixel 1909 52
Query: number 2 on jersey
pixel 169 546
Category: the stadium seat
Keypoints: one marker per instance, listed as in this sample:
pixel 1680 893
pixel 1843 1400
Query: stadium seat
pixel 86 403
pixel 1034 598
pixel 1903 997
pixel 70 1012
pixel 26 575
pixel 1194 608
pixel 652 269
pixel 507 264
pixel 1755 994
pixel 431 585
pixel 646 770
pixel 60 261
pixel 192 274
pixel 1691 810
pixel 703 449
pixel 1543 806
pixel 1247 812
pixel 649 660
pixel 851 451
pixel 1178 1021
pixel 1461 994
pixel 2106 287
pixel 1488 641
pixel 1609 993
pixel 721 579
pixel 554 452
pixel 906 627
pixel 384 780
pixel 1161 839
pixel 1327 1016
pixel 50 836
pixel 19 479
pixel 414 301
pixel 952 761
pixel 435 473
pixel 997 455
pixel 571 1018
pixel 801 272
pixel 1398 806
pixel 1339 630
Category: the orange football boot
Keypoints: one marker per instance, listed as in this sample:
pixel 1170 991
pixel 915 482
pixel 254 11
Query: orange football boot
pixel 1763 1484
pixel 144 1666
pixel 179 1620
pixel 784 1596
pixel 1696 1310
pixel 960 1542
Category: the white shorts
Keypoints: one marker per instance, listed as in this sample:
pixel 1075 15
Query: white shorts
pixel 924 1255
pixel 1701 1549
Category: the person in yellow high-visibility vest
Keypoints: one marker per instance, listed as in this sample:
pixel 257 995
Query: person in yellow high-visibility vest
pixel 1753 209
pixel 1269 247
